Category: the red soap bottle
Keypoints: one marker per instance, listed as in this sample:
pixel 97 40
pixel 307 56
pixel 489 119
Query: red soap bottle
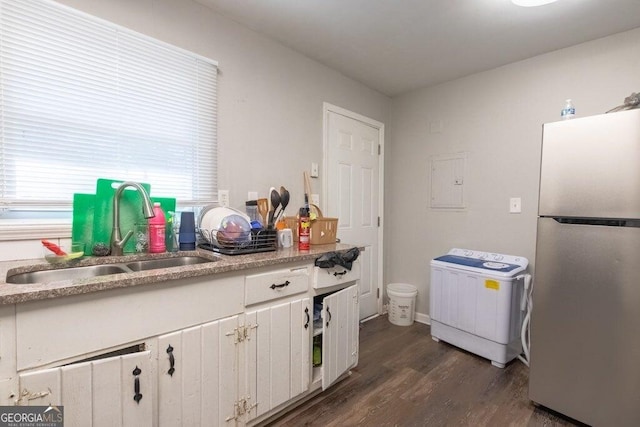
pixel 157 226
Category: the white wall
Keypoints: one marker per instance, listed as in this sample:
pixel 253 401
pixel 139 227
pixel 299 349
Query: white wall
pixel 496 117
pixel 270 97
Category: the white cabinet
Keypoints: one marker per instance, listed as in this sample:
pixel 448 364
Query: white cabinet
pixel 228 350
pixel 276 351
pixel 197 372
pixel 115 391
pixel 335 276
pixel 278 361
pixel 339 332
pixel 54 331
pixel 102 390
pixel 276 284
pixel 335 336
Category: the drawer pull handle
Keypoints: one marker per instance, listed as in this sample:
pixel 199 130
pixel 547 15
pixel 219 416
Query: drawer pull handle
pixel 329 319
pixel 306 312
pixel 172 361
pixel 281 285
pixel 136 385
pixel 340 274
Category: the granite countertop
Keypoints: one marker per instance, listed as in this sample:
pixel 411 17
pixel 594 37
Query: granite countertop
pixel 19 293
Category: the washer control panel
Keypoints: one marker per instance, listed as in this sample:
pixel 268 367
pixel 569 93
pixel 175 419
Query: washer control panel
pixel 494 260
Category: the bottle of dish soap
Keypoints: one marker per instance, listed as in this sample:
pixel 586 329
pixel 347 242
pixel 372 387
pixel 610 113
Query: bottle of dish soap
pixel 157 225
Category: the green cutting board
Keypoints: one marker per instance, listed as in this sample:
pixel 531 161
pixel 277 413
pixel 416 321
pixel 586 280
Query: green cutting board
pixel 82 225
pixel 130 211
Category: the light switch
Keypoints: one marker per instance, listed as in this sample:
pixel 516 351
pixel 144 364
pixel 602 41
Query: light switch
pixel 314 170
pixel 515 205
pixel 223 197
pixel 315 199
pixel 252 195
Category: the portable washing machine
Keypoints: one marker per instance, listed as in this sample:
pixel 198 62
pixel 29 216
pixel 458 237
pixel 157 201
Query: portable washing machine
pixel 477 303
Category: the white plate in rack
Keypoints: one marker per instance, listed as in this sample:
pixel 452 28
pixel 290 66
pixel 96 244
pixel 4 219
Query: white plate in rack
pixel 210 218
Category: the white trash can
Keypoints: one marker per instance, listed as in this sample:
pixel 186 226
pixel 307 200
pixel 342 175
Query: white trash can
pixel 402 303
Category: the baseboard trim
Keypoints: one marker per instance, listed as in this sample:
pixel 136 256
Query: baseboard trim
pixel 423 318
pixel 366 319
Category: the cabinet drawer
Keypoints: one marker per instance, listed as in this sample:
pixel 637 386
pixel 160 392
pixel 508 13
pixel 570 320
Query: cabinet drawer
pixel 276 284
pixel 327 277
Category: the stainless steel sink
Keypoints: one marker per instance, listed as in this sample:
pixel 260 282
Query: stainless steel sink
pixel 70 273
pixel 152 264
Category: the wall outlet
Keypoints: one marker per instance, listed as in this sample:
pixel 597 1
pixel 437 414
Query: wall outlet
pixel 252 195
pixel 314 170
pixel 223 197
pixel 515 205
pixel 315 199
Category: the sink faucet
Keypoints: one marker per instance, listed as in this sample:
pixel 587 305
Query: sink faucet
pixel 117 242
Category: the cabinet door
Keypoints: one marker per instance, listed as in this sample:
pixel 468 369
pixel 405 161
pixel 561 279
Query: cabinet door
pixel 198 375
pixel 115 391
pixel 277 355
pixel 340 329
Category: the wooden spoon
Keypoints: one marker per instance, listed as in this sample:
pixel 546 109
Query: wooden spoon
pixel 263 210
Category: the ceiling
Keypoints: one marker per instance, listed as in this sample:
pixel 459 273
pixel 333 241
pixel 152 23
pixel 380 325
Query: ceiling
pixel 395 46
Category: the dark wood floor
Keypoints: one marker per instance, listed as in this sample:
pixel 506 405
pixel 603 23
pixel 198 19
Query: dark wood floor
pixel 404 378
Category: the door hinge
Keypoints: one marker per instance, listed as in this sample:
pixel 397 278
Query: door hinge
pixel 241 407
pixel 237 334
pixel 241 333
pixel 26 396
pixel 247 331
pixel 378 221
pixel 378 293
pixel 379 149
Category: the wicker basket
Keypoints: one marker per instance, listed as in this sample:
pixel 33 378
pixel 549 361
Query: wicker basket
pixel 323 230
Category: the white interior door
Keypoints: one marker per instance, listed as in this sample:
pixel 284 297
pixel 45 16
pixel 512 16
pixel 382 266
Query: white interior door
pixel 353 192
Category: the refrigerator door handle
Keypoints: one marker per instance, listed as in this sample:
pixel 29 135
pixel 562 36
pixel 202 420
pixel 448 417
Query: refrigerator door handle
pixel 597 221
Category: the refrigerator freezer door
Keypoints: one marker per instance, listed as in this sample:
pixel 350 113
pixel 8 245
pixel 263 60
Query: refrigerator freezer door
pixel 585 325
pixel 591 167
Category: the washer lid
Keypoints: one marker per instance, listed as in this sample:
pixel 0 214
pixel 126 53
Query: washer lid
pixel 483 262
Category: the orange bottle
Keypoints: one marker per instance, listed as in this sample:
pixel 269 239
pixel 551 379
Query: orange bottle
pixel 304 230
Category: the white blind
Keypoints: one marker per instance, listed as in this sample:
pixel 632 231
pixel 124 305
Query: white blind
pixel 82 99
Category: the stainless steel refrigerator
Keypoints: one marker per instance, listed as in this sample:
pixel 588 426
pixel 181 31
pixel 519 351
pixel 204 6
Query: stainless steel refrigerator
pixel 585 323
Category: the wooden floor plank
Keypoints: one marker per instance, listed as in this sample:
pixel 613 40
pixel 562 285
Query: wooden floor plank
pixel 404 378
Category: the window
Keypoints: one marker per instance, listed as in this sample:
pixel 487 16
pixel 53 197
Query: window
pixel 81 99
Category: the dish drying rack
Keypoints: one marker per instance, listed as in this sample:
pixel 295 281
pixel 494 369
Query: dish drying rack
pixel 262 240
